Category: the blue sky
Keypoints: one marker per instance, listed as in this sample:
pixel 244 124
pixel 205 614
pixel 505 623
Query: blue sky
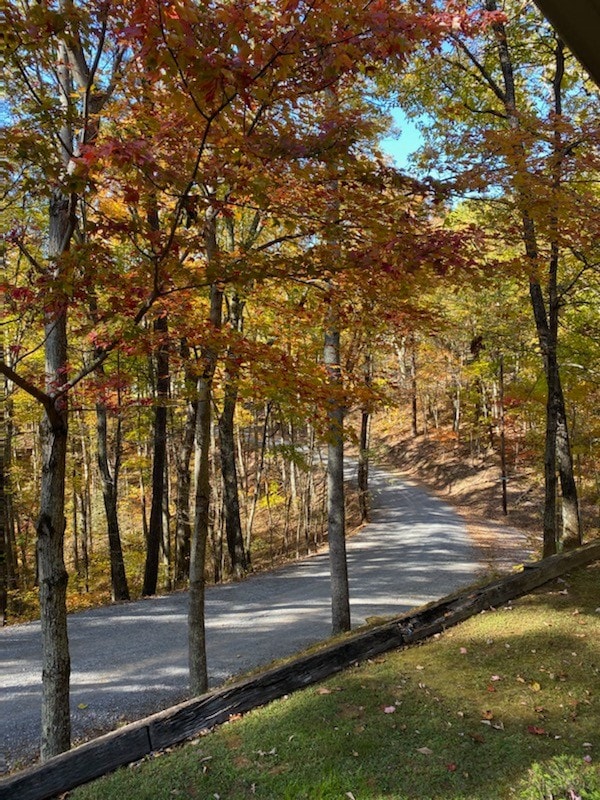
pixel 403 141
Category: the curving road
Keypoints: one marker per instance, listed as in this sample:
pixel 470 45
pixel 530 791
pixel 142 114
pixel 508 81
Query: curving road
pixel 130 660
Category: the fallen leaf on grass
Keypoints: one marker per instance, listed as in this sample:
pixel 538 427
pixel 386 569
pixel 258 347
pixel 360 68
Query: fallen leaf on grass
pixel 535 686
pixel 350 796
pixel 451 767
pixel 323 690
pixel 488 714
pixel 82 706
pixel 389 709
pixel 425 751
pixel 496 678
pixel 463 651
pixel 491 688
pixel 536 730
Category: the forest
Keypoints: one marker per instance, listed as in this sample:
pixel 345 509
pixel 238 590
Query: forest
pixel 213 277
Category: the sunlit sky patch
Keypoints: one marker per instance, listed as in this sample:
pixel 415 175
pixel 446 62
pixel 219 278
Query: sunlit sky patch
pixel 402 141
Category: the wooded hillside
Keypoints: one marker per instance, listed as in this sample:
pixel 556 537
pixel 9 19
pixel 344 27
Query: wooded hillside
pixel 213 276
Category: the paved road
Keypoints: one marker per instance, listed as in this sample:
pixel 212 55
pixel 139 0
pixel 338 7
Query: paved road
pixel 130 660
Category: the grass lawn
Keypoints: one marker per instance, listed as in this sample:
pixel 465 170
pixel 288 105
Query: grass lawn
pixel 506 705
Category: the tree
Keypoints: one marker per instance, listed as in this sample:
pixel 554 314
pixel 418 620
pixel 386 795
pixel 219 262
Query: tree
pixel 202 109
pixel 55 54
pixel 492 114
pixel 336 521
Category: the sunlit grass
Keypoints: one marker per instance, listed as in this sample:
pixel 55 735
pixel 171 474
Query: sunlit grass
pixel 506 705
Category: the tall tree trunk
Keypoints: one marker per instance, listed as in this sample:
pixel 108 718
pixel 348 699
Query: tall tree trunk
pixel 548 348
pixel 50 527
pixel 56 665
pixel 53 578
pixel 196 625
pixel 155 528
pixel 336 521
pixel 109 479
pixel 363 447
pixel 159 436
pixel 9 567
pixel 183 525
pixel 502 425
pixel 571 521
pixel 258 479
pixel 233 524
pixel 413 385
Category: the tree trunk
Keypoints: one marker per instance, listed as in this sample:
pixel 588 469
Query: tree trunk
pixel 557 446
pixel 53 578
pixel 196 628
pixel 183 525
pixel 56 666
pixel 4 538
pixel 336 522
pixel 233 524
pixel 363 447
pixel 571 518
pixel 413 386
pixel 258 478
pixel 9 570
pixel 155 528
pixel 502 424
pixel 571 522
pixel 109 480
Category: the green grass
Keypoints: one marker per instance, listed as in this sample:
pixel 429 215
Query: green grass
pixel 507 705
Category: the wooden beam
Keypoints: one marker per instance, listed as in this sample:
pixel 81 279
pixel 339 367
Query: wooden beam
pixel 134 741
